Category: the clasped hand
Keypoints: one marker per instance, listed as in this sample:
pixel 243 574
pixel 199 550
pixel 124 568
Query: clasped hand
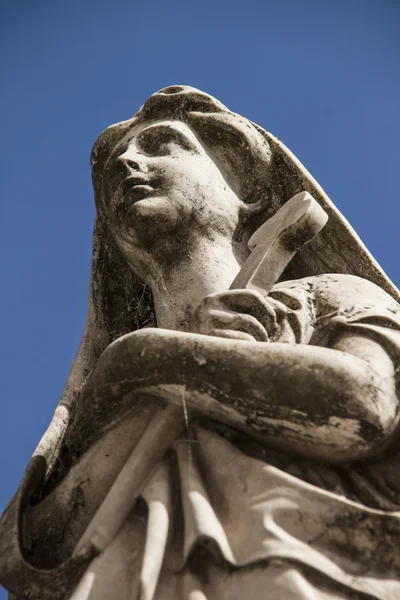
pixel 242 314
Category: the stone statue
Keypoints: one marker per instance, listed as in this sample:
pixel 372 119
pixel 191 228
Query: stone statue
pixel 257 422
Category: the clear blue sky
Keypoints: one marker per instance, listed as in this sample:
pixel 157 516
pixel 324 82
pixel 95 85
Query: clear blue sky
pixel 323 76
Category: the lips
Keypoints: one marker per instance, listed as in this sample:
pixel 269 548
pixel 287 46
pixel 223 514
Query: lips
pixel 136 187
pixel 134 180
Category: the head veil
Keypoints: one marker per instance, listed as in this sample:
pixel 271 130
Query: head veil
pixel 266 173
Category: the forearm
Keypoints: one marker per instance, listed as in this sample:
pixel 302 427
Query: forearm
pixel 318 402
pixel 310 400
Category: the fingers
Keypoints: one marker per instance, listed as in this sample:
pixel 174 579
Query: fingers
pixel 250 302
pixel 241 323
pixel 239 314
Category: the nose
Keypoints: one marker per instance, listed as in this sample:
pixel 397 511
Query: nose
pixel 129 162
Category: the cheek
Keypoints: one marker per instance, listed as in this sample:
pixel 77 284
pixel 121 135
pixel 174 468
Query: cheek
pixel 186 171
pixel 210 192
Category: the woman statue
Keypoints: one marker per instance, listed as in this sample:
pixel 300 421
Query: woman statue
pixel 284 484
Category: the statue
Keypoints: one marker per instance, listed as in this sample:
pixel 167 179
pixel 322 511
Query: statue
pixel 257 422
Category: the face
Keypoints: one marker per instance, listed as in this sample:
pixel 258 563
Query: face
pixel 163 191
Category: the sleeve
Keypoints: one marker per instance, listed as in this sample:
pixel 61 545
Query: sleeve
pixel 351 304
pixel 314 309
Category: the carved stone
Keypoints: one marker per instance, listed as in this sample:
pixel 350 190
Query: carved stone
pixel 229 427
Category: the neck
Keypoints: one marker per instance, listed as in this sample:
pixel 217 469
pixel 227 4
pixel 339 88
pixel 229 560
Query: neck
pixel 209 268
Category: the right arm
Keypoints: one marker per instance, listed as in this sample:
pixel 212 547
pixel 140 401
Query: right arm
pixel 326 403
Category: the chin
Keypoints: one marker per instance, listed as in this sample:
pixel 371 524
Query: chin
pixel 153 218
pixel 153 204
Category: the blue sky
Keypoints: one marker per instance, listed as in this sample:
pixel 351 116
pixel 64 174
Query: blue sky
pixel 322 76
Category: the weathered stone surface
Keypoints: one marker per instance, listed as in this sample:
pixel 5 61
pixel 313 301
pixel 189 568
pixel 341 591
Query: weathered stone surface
pixel 230 424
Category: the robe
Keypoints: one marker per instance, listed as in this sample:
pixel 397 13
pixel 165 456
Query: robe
pixel 224 517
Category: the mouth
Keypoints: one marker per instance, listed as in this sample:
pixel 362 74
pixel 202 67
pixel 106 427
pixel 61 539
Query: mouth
pixel 137 188
pixel 134 180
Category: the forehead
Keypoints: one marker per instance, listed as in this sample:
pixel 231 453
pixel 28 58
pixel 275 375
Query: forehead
pixel 138 129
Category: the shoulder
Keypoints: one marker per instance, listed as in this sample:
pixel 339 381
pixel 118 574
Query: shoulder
pixel 335 284
pixel 352 291
pixel 349 295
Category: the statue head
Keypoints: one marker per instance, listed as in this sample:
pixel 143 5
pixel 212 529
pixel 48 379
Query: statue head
pixel 183 167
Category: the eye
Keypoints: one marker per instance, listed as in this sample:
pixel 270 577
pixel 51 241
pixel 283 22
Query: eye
pixel 160 141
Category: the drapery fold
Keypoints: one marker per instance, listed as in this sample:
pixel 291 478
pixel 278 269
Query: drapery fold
pixel 257 517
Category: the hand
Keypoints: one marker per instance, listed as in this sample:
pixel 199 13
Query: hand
pixel 238 314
